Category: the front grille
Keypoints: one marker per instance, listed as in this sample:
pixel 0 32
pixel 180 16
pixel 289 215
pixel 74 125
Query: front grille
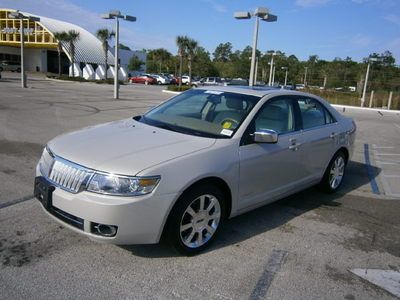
pixel 68 175
pixel 63 173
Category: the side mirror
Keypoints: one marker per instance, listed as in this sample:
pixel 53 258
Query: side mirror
pixel 266 136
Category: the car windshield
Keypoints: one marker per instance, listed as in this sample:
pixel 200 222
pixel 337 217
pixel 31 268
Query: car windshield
pixel 203 113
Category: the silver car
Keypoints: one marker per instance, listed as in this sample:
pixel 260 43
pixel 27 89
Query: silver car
pixel 185 166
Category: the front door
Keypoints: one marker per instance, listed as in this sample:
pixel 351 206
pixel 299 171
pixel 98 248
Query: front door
pixel 271 170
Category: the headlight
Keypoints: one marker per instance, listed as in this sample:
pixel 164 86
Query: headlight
pixel 122 185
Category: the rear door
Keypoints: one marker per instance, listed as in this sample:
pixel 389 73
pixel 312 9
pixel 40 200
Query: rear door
pixel 320 134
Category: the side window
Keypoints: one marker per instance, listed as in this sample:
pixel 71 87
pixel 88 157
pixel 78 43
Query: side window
pixel 277 115
pixel 313 113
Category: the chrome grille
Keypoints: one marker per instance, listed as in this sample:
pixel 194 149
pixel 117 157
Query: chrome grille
pixel 67 175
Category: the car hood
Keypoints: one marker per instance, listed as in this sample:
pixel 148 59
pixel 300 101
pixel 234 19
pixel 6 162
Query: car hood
pixel 125 147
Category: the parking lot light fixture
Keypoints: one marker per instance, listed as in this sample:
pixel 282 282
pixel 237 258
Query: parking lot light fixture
pixel 116 14
pixel 18 15
pixel 260 13
pixel 372 59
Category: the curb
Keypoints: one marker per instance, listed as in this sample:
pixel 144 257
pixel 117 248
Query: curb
pixel 171 92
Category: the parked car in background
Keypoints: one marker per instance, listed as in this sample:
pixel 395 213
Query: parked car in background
pixel 208 81
pixel 143 78
pixel 237 81
pixel 185 166
pixel 161 79
pixel 12 66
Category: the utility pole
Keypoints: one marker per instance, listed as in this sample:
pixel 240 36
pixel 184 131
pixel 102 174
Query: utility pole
pixel 305 76
pixel 366 81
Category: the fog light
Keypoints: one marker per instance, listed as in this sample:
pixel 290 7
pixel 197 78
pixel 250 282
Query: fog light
pixel 104 230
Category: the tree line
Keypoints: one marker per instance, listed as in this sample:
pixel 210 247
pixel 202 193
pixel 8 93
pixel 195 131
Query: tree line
pixel 339 73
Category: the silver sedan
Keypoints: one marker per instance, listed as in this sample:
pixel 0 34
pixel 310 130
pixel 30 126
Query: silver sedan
pixel 185 166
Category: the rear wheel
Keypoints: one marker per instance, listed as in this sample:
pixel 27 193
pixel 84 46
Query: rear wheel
pixel 196 219
pixel 334 173
pixel 19 70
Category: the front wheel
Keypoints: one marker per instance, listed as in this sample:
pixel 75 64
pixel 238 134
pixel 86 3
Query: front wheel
pixel 196 219
pixel 334 173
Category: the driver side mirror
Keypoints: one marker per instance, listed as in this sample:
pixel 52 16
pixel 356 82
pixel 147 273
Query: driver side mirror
pixel 266 136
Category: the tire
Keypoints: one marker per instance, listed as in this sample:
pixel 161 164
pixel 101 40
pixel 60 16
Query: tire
pixel 334 173
pixel 187 222
pixel 159 82
pixel 19 70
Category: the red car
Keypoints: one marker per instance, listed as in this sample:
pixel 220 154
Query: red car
pixel 143 78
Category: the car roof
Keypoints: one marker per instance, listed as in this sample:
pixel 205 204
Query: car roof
pixel 259 91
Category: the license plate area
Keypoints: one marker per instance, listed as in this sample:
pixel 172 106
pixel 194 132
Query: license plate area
pixel 43 191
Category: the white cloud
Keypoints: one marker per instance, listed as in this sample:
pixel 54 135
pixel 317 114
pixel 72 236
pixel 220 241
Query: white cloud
pixel 361 40
pixel 216 6
pixel 395 19
pixel 311 3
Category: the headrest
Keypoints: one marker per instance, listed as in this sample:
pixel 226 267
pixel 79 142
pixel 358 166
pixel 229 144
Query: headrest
pixel 273 112
pixel 234 103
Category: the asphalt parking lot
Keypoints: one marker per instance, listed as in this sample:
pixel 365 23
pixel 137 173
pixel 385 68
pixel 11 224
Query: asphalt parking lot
pixel 302 247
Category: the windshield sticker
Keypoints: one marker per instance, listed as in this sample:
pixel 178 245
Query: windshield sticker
pixel 213 92
pixel 226 132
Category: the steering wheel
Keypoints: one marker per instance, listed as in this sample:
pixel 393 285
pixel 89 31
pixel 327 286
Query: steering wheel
pixel 232 121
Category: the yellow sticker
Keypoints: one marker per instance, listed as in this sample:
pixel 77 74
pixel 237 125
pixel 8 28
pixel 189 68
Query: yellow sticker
pixel 227 125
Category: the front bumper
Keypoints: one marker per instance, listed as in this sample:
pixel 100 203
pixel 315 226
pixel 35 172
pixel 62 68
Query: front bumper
pixel 140 220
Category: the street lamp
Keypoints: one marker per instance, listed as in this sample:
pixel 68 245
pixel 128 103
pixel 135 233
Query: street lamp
pixel 305 76
pixel 286 72
pixel 271 68
pixel 260 13
pixel 21 17
pixel 116 14
pixel 366 81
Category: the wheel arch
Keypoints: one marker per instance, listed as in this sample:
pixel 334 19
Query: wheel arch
pixel 212 180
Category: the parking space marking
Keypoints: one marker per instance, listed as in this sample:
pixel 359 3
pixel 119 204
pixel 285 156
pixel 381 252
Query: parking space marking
pixel 374 185
pixel 382 147
pixel 388 154
pixel 397 125
pixel 16 201
pixel 391 176
pixel 389 280
pixel 389 162
pixel 272 267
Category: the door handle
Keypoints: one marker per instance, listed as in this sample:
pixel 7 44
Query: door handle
pixel 294 147
pixel 333 135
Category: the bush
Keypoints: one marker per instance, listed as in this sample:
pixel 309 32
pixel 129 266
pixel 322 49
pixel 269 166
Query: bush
pixel 175 88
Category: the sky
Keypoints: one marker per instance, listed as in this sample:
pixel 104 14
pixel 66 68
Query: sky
pixel 327 28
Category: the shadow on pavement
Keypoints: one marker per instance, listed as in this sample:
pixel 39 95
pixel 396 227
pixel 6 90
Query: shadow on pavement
pixel 270 216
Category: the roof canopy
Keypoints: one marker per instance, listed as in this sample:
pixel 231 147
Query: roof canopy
pixel 88 49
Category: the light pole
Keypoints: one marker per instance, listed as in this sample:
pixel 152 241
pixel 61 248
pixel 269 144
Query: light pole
pixel 273 76
pixel 116 14
pixel 271 68
pixel 305 76
pixel 286 72
pixel 366 81
pixel 259 13
pixel 21 17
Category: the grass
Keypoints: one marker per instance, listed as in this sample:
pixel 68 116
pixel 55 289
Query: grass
pixel 354 99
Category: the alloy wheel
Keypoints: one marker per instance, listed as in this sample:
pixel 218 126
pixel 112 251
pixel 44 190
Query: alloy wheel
pixel 200 221
pixel 337 172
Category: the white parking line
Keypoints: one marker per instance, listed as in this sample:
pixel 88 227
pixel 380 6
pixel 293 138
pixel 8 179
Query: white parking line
pixel 388 154
pixel 391 176
pixel 386 279
pixel 397 125
pixel 393 163
pixel 382 147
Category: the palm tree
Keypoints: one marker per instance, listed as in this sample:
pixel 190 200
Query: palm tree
pixel 181 42
pixel 60 37
pixel 104 36
pixel 72 37
pixel 191 47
